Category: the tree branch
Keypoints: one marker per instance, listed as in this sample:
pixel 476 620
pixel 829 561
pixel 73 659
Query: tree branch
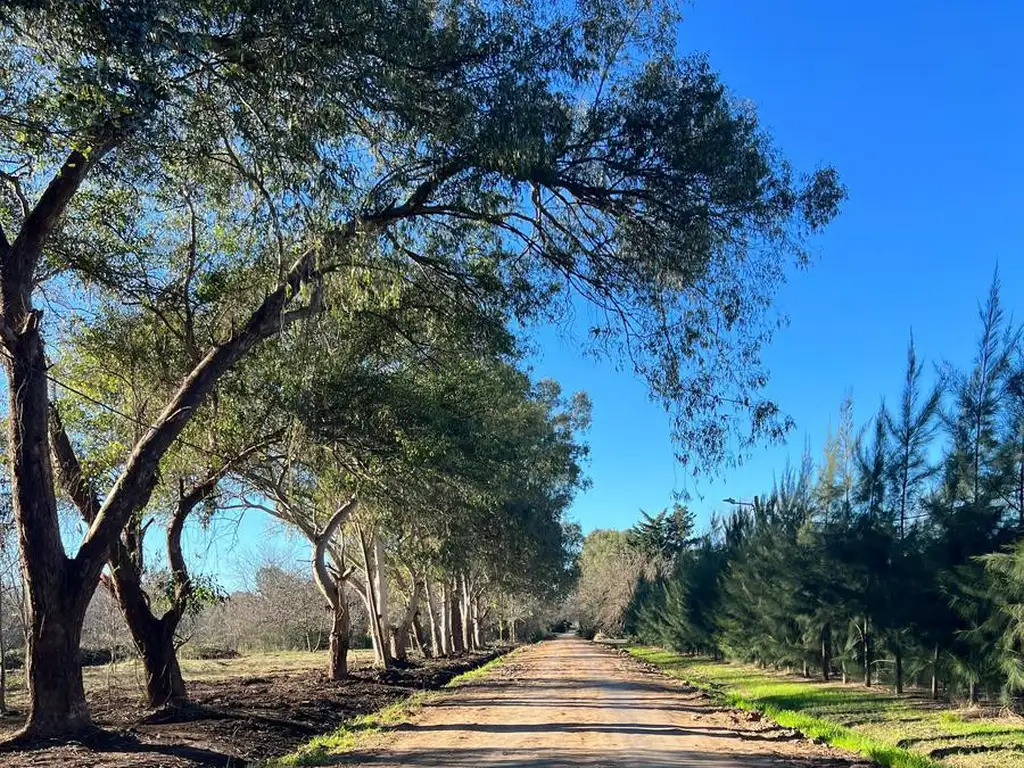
pixel 322 575
pixel 69 469
pixel 43 218
pixel 135 485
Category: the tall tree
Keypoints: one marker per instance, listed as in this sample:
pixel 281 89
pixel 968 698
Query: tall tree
pixel 246 156
pixel 912 429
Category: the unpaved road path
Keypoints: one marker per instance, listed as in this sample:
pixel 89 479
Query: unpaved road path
pixel 567 703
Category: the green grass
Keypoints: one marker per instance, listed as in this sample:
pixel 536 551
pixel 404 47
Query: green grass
pixel 355 733
pixel 322 750
pixel 898 732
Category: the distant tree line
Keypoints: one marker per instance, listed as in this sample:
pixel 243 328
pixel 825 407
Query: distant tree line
pixel 896 558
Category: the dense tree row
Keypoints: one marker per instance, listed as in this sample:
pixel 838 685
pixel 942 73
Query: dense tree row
pixel 280 248
pixel 898 556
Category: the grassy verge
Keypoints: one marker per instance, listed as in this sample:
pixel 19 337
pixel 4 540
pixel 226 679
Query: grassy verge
pixel 325 749
pixel 897 732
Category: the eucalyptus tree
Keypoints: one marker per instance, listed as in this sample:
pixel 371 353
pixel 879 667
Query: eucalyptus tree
pixel 118 372
pixel 488 463
pixel 245 154
pixel 610 568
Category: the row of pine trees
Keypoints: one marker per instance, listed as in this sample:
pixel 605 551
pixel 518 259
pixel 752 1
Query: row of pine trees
pixel 897 559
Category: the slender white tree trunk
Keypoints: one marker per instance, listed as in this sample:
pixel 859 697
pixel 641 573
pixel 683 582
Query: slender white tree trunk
pixel 377 634
pixel 446 621
pixel 467 635
pixel 477 630
pixel 435 630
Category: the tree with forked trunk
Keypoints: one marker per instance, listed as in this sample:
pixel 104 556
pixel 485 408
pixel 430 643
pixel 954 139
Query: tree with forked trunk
pixel 236 163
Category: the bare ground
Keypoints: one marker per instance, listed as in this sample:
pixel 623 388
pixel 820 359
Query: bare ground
pixel 567 703
pixel 234 721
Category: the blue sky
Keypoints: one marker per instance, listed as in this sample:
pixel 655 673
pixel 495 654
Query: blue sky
pixel 920 107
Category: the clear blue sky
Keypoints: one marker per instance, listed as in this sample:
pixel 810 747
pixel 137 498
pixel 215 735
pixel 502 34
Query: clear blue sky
pixel 920 106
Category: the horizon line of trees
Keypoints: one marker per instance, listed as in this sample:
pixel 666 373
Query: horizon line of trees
pixel 897 556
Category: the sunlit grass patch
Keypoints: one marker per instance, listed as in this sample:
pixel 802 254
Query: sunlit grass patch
pixel 901 732
pixel 322 750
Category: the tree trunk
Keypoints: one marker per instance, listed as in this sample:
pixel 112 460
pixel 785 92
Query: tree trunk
pixel 935 672
pixel 826 660
pixel 338 666
pixel 55 593
pixel 419 635
pixel 458 638
pixel 436 645
pixel 445 613
pixel 379 629
pixel 512 631
pixel 381 602
pixel 153 637
pixel 401 632
pixel 56 693
pixel 899 665
pixel 465 619
pixel 477 629
pixel 164 683
pixel 3 654
pixel 867 653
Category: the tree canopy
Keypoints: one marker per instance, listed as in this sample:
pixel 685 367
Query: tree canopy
pixel 187 189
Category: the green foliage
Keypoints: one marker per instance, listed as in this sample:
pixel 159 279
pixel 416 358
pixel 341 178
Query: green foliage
pixel 881 562
pixel 510 158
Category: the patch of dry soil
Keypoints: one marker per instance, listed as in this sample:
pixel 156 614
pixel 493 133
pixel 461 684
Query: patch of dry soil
pixel 232 723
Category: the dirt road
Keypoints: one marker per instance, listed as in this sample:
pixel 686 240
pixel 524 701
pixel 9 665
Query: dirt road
pixel 567 703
